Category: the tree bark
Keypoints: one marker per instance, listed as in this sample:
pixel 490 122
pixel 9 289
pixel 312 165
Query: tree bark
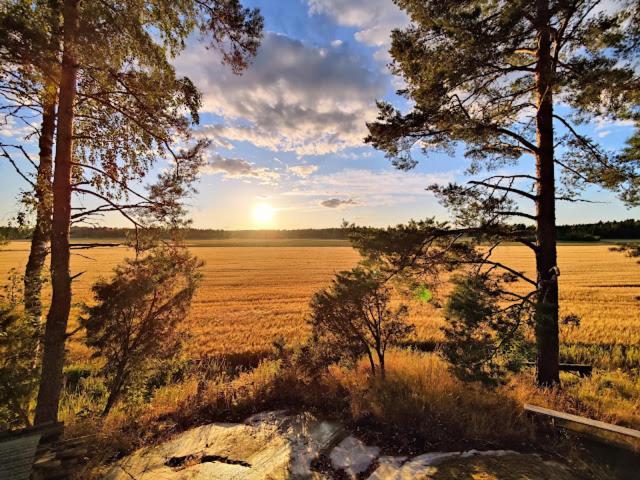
pixel 58 316
pixel 546 257
pixel 114 394
pixel 42 231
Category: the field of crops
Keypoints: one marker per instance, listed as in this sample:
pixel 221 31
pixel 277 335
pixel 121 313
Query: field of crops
pixel 252 295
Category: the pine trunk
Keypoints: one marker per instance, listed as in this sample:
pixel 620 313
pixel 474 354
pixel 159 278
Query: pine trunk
pixel 546 257
pixel 58 316
pixel 42 231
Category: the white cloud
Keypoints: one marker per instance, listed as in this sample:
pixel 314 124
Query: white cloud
pixel 604 133
pixel 294 97
pixel 374 18
pixel 604 123
pixel 336 43
pixel 11 128
pixel 303 170
pixel 338 202
pixel 237 168
pixel 372 188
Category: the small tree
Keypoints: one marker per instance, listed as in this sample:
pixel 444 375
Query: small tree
pixel 18 342
pixel 353 318
pixel 135 318
pixel 18 375
pixel 485 328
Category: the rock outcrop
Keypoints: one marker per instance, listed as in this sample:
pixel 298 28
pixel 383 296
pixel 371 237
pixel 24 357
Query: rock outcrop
pixel 277 446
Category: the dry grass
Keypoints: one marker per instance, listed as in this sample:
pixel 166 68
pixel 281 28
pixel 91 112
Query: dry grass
pixel 252 295
pixel 420 400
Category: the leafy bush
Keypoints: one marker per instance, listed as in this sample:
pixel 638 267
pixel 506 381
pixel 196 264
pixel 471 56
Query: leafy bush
pixel 353 318
pixel 485 338
pixel 133 325
pixel 18 366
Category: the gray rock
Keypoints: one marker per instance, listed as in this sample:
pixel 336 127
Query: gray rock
pixel 503 464
pixel 353 456
pixel 270 445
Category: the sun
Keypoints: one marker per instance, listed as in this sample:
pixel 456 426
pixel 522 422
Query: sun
pixel 263 213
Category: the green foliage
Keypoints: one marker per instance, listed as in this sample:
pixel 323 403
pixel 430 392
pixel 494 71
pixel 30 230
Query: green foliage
pixel 132 108
pixel 353 318
pixel 133 326
pixel 18 369
pixel 484 338
pixel 470 70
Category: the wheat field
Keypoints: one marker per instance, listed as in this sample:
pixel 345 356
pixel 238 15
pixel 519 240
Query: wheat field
pixel 251 295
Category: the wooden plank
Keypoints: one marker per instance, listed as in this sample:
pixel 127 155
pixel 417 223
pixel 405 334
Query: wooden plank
pixel 582 369
pixel 17 455
pixel 607 432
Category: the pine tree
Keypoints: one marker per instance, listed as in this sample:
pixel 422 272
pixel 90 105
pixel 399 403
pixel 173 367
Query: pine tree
pixel 29 39
pixel 112 72
pixel 487 77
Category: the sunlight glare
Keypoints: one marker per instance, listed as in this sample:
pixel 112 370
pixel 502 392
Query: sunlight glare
pixel 263 213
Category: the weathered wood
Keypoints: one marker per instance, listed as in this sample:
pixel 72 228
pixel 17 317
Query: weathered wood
pixel 47 430
pixel 595 429
pixel 579 368
pixel 17 455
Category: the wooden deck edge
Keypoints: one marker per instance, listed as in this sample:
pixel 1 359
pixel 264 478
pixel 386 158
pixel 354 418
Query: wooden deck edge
pixel 602 431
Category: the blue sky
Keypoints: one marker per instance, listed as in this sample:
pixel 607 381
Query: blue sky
pixel 288 133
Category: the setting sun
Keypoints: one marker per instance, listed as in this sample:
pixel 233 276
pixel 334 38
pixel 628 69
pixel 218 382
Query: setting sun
pixel 263 213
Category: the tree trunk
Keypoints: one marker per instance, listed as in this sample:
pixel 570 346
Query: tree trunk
pixel 546 258
pixel 42 230
pixel 381 364
pixel 114 394
pixel 58 316
pixel 372 363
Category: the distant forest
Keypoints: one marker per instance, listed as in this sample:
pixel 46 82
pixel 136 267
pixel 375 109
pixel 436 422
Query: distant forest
pixel 586 232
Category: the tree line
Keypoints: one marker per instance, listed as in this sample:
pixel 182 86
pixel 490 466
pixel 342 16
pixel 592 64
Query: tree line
pixel 585 232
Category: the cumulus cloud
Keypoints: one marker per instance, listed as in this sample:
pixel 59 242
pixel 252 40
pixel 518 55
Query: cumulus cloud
pixel 374 18
pixel 337 202
pixel 303 170
pixel 294 97
pixel 336 43
pixel 238 168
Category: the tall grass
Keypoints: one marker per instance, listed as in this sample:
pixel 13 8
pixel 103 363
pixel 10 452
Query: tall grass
pixel 420 399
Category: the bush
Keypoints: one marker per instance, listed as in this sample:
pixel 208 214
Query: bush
pixel 353 318
pixel 133 325
pixel 485 338
pixel 18 366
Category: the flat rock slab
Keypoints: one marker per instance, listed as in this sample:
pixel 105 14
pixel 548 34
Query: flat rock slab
pixel 353 457
pixel 278 446
pixel 271 445
pixel 474 465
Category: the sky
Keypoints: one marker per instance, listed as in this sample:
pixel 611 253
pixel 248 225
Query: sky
pixel 287 136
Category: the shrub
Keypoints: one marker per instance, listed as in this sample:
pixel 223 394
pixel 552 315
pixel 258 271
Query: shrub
pixel 353 318
pixel 133 325
pixel 484 337
pixel 18 368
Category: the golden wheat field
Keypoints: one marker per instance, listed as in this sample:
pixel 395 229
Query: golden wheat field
pixel 252 295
